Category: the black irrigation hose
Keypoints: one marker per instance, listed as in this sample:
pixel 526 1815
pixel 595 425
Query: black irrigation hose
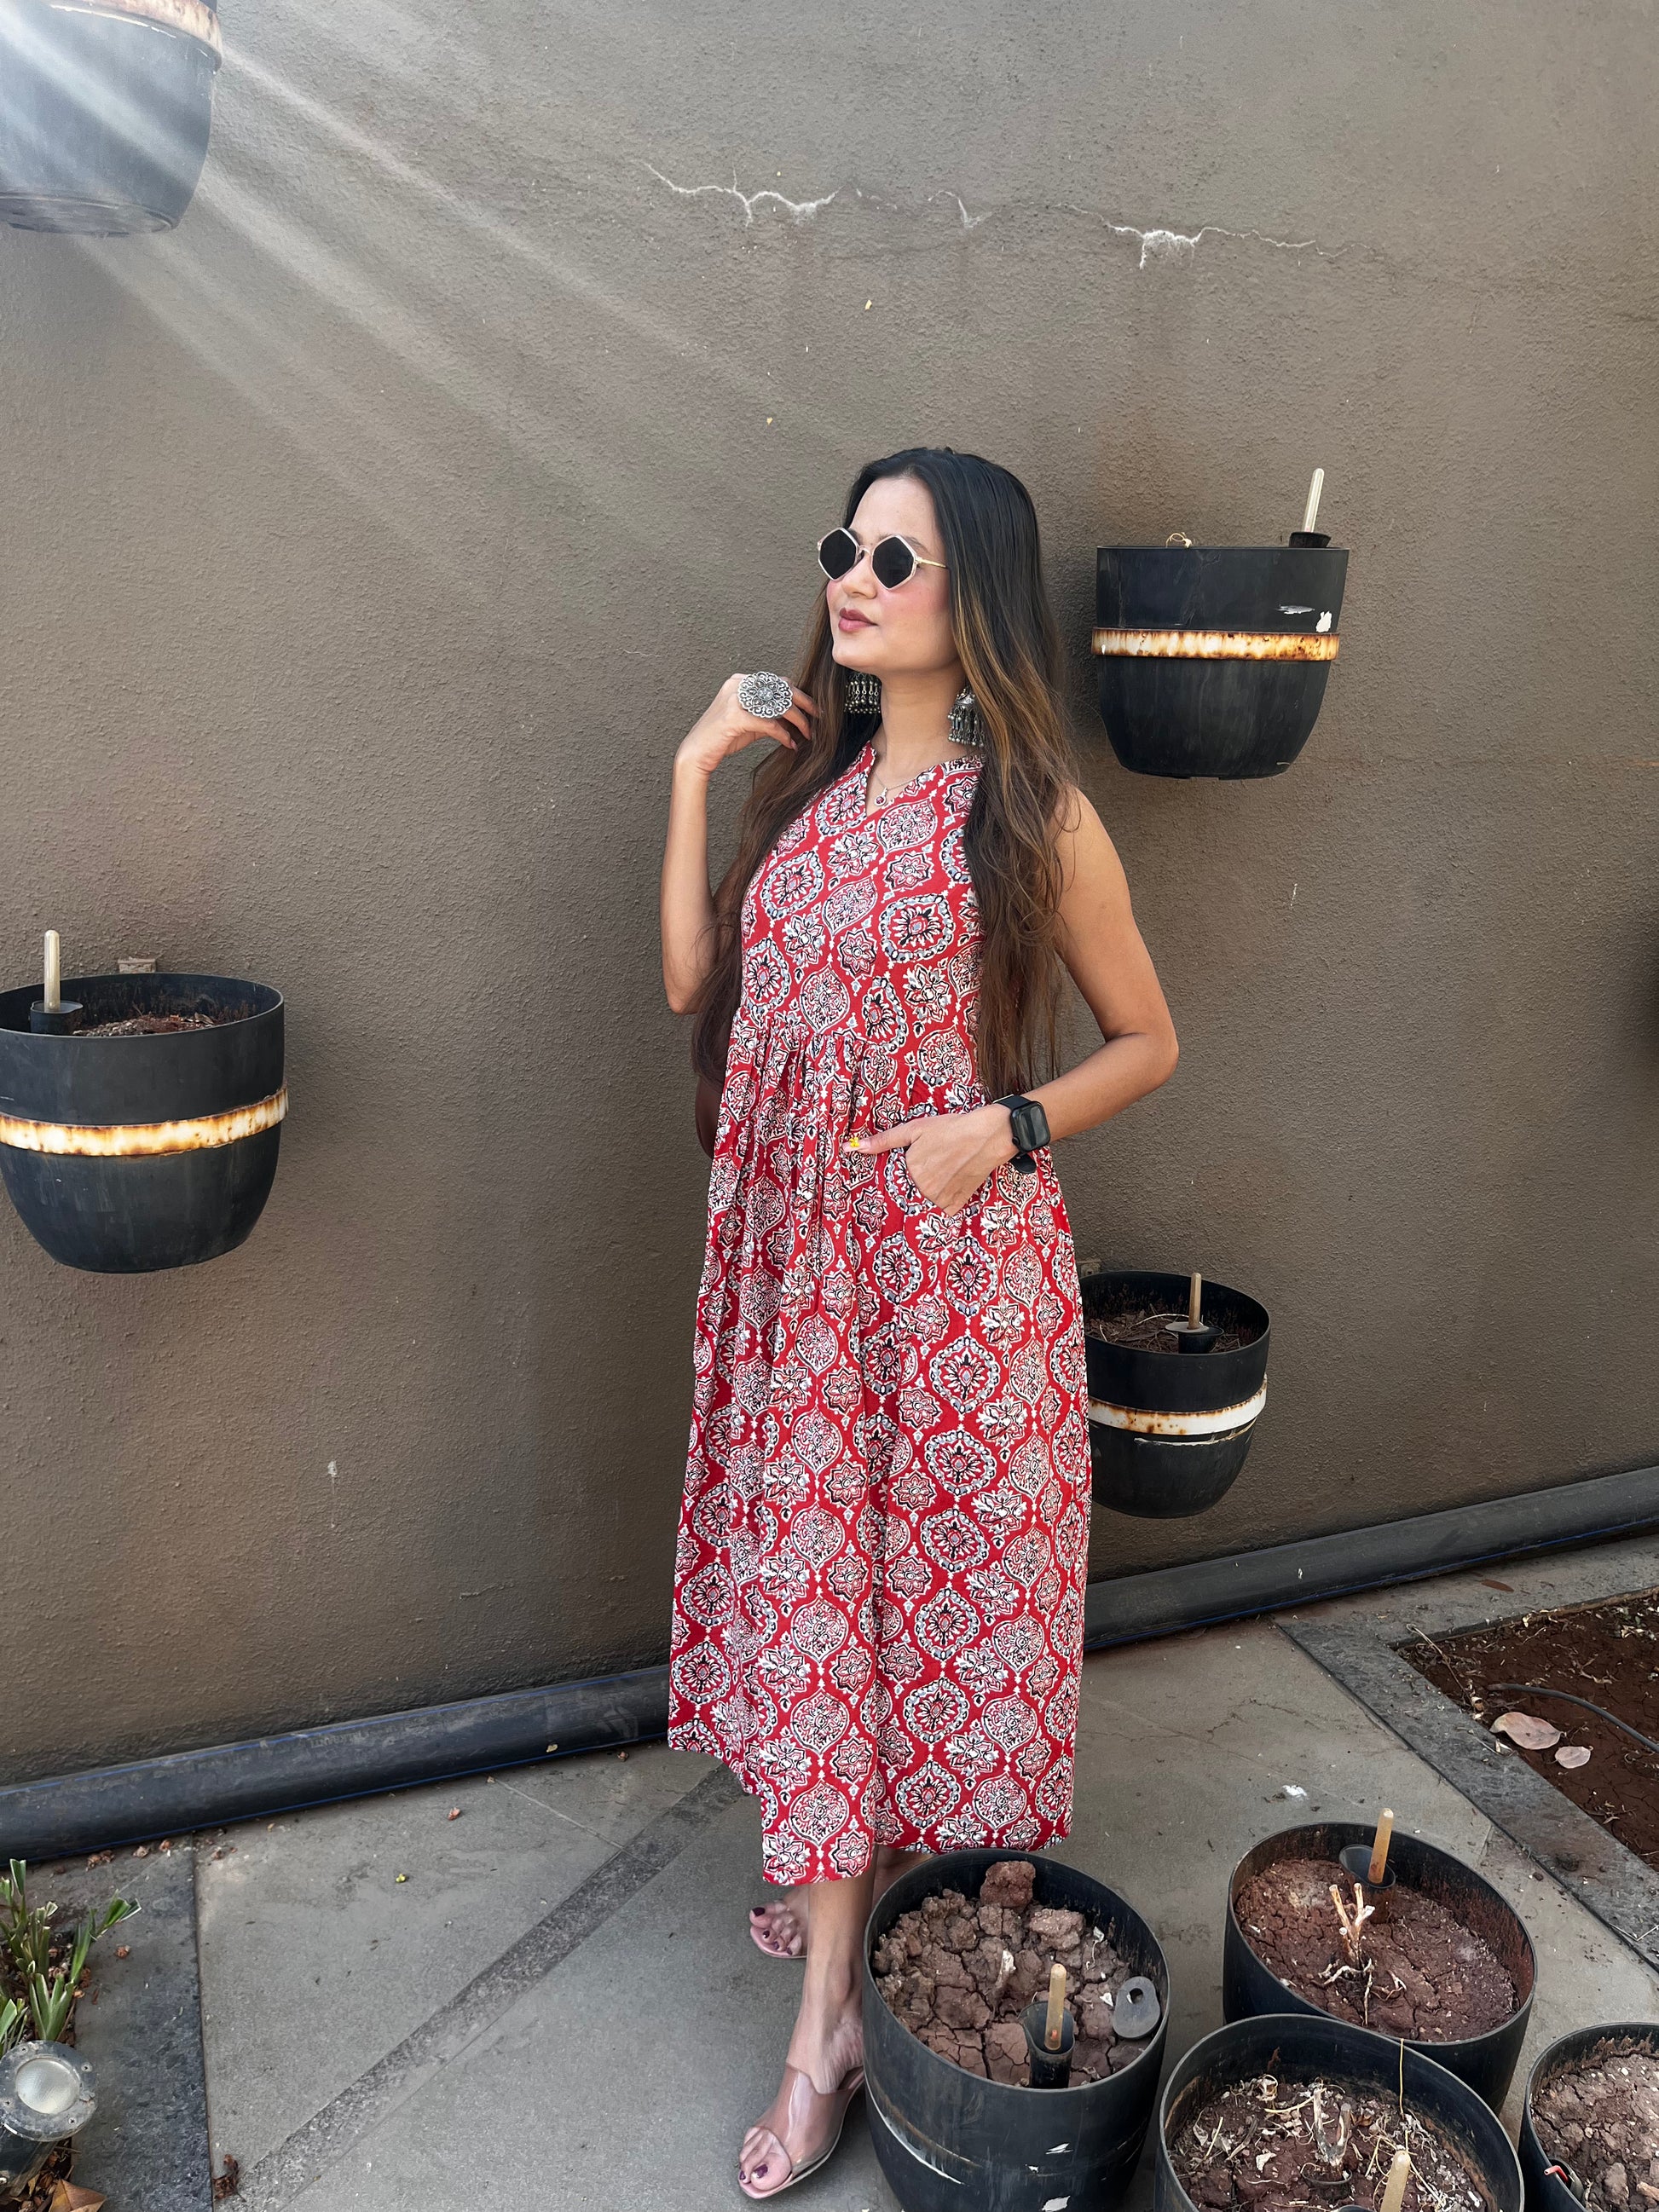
pixel 1537 1690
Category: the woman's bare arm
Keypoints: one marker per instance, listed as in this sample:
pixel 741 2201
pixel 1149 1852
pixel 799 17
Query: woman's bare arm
pixel 1110 965
pixel 687 901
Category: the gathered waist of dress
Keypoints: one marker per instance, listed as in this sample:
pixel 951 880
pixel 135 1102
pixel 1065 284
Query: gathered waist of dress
pixel 853 1072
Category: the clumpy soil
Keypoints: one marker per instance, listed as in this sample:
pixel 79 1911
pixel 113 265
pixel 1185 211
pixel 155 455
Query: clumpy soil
pixel 153 1025
pixel 1420 1974
pixel 1608 1653
pixel 959 1971
pixel 1285 2146
pixel 1600 2117
pixel 1141 1328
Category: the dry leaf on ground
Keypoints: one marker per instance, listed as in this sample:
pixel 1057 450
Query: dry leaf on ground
pixel 1573 1754
pixel 69 2196
pixel 1528 1730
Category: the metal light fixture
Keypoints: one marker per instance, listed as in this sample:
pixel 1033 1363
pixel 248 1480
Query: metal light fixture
pixel 45 2094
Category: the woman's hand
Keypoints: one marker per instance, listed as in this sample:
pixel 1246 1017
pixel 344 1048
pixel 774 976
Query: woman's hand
pixel 949 1155
pixel 724 728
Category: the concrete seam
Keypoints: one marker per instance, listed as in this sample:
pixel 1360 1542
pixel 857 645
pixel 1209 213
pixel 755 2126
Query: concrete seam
pixel 287 2172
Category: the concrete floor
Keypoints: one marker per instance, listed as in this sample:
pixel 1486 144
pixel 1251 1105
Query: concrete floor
pixel 559 2006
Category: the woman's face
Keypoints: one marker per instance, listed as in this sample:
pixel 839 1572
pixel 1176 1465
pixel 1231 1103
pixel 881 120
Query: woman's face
pixel 905 630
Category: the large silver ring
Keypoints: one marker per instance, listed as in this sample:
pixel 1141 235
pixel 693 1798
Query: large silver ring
pixel 768 696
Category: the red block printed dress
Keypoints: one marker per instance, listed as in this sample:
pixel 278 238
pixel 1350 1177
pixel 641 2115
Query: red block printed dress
pixel 878 1583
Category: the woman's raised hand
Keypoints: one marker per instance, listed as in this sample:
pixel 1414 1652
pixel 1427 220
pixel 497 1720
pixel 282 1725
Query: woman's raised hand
pixel 725 728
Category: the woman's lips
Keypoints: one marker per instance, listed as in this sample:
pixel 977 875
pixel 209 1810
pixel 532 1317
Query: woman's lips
pixel 849 619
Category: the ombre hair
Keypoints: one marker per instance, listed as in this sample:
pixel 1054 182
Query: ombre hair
pixel 1009 648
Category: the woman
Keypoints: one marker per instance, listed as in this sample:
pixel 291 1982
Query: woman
pixel 879 1589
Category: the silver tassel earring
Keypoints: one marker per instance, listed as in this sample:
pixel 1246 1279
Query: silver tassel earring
pixel 863 693
pixel 966 728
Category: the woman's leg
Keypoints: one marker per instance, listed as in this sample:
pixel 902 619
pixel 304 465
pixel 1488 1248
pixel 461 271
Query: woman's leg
pixel 826 2046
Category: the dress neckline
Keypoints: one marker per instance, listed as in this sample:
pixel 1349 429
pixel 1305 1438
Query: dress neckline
pixel 865 761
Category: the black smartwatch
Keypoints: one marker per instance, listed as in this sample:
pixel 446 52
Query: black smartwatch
pixel 1031 1130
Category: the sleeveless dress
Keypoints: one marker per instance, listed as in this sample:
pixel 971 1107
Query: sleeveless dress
pixel 877 1618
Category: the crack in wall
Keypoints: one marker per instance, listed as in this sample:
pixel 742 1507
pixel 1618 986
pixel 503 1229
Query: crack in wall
pixel 1177 247
pixel 799 211
pixel 1159 243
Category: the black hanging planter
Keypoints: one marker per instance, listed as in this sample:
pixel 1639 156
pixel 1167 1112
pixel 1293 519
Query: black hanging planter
pixel 949 2141
pixel 1299 2048
pixel 1487 2062
pixel 1546 2190
pixel 128 1153
pixel 1169 1434
pixel 105 110
pixel 1214 658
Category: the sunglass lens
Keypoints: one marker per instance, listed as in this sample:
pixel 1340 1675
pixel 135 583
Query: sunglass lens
pixel 893 562
pixel 838 552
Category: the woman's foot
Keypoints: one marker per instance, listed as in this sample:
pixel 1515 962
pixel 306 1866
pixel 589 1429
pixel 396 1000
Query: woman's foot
pixel 797 2135
pixel 780 1929
pixel 824 2070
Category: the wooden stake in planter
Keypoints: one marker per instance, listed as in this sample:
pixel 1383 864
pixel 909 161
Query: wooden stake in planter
pixel 1192 1335
pixel 1308 535
pixel 1394 2189
pixel 1054 2026
pixel 52 1014
pixel 1379 1850
pixel 1050 2032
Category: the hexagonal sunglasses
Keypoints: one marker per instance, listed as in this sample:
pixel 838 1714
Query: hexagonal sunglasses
pixel 893 561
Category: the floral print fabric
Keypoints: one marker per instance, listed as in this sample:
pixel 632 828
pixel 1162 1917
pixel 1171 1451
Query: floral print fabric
pixel 882 1545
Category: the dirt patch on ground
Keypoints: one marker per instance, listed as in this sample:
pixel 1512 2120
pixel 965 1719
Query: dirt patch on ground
pixel 1599 2117
pixel 1419 1972
pixel 1287 2146
pixel 153 1025
pixel 1607 1653
pixel 959 1971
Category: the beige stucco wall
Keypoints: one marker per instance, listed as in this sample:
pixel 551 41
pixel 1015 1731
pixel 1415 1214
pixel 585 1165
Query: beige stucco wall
pixel 369 543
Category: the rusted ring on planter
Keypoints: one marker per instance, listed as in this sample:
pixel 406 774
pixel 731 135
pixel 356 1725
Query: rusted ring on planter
pixel 1215 645
pixel 191 19
pixel 145 1140
pixel 1144 1421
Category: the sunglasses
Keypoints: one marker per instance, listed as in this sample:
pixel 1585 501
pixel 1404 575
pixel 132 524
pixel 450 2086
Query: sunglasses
pixel 893 561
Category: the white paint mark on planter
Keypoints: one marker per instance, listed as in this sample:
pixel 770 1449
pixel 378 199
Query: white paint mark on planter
pixel 1324 622
pixel 1055 2203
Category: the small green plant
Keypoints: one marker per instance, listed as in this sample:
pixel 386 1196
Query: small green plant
pixel 38 1991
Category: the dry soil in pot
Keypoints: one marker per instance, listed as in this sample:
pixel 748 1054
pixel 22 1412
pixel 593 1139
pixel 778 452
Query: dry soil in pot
pixel 959 1971
pixel 1294 2146
pixel 1420 1973
pixel 1600 2115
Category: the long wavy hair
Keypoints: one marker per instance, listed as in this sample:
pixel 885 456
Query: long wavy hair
pixel 1009 648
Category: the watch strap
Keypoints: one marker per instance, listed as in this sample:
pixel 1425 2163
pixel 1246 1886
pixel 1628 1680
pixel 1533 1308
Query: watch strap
pixel 1029 1126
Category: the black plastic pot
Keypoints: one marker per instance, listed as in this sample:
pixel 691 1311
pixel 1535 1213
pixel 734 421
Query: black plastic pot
pixel 1486 2063
pixel 105 110
pixel 1214 658
pixel 1169 1434
pixel 1545 2191
pixel 124 1154
pixel 949 2141
pixel 1302 2047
